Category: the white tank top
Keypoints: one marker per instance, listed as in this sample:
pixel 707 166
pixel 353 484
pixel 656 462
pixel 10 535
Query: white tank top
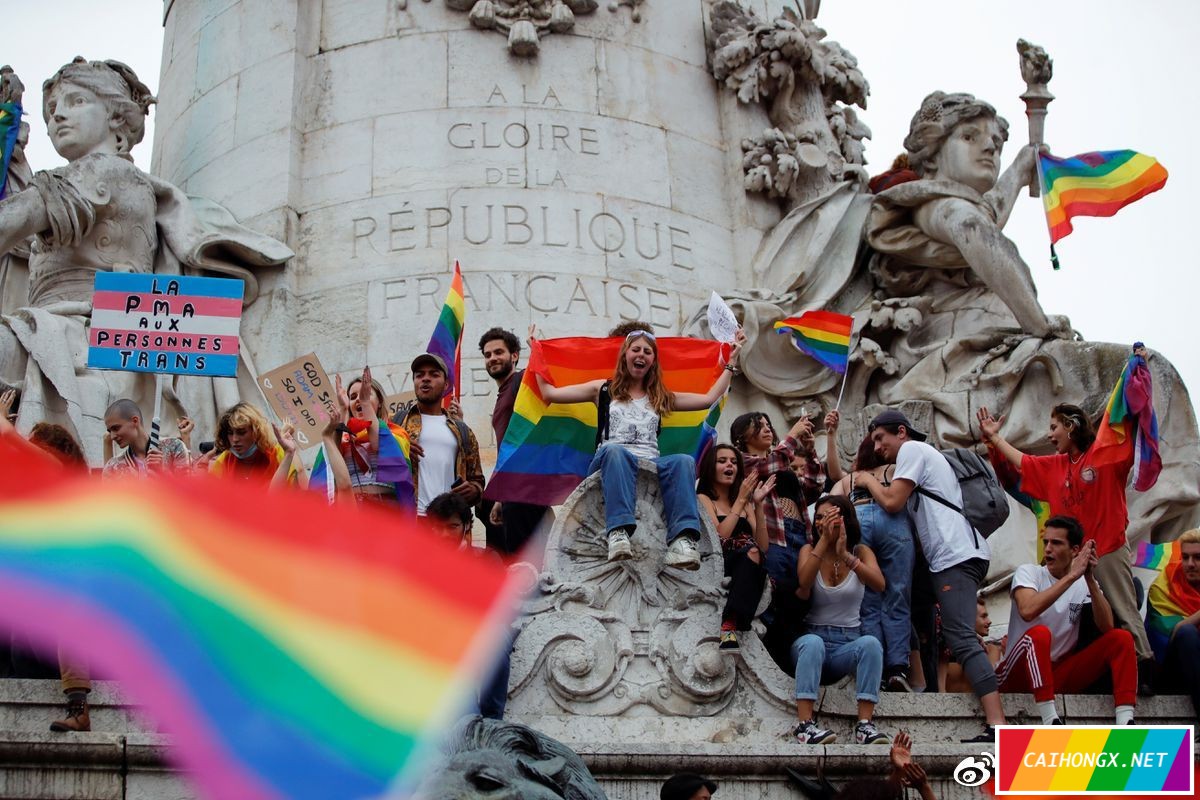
pixel 836 605
pixel 633 424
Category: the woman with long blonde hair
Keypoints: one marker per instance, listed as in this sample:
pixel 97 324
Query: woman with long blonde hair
pixel 636 400
pixel 246 446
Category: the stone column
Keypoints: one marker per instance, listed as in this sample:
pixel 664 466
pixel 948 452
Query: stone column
pixel 589 183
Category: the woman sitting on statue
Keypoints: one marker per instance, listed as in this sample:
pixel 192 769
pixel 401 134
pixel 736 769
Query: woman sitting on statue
pixel 636 400
pixel 734 503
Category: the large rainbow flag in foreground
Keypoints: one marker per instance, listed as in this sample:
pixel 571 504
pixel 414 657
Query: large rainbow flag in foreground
pixel 824 335
pixel 1129 425
pixel 290 649
pixel 1095 185
pixel 548 448
pixel 1170 598
pixel 446 340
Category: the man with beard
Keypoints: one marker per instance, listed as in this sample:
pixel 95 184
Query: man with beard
pixel 509 524
pixel 444 451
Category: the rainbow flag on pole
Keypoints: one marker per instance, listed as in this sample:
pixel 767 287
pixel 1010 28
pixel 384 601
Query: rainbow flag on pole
pixel 547 449
pixel 823 335
pixel 261 629
pixel 10 126
pixel 1095 185
pixel 447 336
pixel 1129 426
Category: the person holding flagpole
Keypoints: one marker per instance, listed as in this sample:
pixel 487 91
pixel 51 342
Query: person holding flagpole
pixel 1085 478
pixel 631 407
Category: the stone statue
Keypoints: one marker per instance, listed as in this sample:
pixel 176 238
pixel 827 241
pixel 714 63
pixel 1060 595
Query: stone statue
pixel 98 213
pixel 946 309
pixel 487 758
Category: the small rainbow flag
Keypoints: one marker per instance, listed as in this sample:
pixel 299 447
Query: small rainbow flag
pixel 393 464
pixel 1095 185
pixel 261 629
pixel 447 336
pixel 1152 556
pixel 1129 427
pixel 10 126
pixel 1170 598
pixel 823 335
pixel 1093 759
pixel 547 449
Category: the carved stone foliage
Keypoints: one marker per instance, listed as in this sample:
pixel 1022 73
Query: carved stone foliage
pixel 602 638
pixel 525 21
pixel 809 83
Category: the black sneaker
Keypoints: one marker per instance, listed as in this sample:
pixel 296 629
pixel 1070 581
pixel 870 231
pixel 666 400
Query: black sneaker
pixel 1145 678
pixel 987 737
pixel 897 683
pixel 807 732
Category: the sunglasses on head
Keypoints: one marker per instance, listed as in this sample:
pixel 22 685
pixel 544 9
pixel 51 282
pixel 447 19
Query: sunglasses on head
pixel 639 332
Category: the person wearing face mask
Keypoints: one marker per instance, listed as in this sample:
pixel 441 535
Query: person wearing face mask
pixel 247 448
pixel 636 400
pixel 124 423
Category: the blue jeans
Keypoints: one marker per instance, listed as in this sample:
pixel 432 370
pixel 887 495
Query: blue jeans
pixel 827 653
pixel 618 478
pixel 887 615
pixel 492 696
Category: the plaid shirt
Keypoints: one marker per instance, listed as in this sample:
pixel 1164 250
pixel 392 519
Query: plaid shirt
pixel 466 461
pixel 777 460
pixel 175 457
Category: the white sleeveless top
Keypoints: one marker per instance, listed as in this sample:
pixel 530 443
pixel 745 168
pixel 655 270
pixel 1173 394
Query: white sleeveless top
pixel 633 424
pixel 836 605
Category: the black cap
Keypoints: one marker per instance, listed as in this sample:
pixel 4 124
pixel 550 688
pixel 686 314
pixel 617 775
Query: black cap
pixel 684 785
pixel 429 359
pixel 894 417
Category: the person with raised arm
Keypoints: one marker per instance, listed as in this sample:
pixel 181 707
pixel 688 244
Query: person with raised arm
pixel 637 400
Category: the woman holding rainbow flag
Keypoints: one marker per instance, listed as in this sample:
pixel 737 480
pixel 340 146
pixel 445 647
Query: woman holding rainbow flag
pixel 631 406
pixel 371 447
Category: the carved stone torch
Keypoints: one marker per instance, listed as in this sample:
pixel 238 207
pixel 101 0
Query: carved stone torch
pixel 1037 69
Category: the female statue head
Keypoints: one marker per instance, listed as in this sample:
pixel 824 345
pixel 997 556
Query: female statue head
pixel 89 103
pixel 955 137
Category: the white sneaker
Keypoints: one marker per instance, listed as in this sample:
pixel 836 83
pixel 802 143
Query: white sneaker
pixel 867 733
pixel 682 553
pixel 619 547
pixel 807 732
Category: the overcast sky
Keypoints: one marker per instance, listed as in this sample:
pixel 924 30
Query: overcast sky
pixel 1123 74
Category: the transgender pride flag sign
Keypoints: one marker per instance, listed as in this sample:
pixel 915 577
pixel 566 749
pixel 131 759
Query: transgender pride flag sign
pixel 167 324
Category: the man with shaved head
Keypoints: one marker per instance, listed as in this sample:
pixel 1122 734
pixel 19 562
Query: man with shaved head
pixel 124 423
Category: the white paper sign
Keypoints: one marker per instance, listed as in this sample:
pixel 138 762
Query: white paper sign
pixel 722 324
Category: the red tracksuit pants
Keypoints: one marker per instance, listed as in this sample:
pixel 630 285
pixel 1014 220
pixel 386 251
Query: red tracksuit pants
pixel 1027 667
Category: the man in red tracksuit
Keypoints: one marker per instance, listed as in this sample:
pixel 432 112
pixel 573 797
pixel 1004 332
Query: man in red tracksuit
pixel 1043 628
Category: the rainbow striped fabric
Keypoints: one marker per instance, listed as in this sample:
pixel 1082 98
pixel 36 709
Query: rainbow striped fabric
pixel 393 464
pixel 10 126
pixel 1152 556
pixel 1170 598
pixel 447 336
pixel 1073 760
pixel 291 649
pixel 823 335
pixel 1010 479
pixel 1129 425
pixel 1095 185
pixel 547 449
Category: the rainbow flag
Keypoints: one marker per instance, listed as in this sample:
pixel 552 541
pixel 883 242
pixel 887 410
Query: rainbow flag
pixel 10 126
pixel 547 449
pixel 823 335
pixel 1095 185
pixel 259 629
pixel 1152 556
pixel 393 464
pixel 1129 426
pixel 447 336
pixel 1170 598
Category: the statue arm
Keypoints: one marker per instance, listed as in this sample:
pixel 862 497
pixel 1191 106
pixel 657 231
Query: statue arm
pixel 992 256
pixel 1021 173
pixel 21 216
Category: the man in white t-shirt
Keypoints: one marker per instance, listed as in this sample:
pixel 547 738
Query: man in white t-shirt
pixel 958 555
pixel 1043 628
pixel 445 451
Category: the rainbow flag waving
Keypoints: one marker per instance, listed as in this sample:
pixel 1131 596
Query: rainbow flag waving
pixel 1095 185
pixel 1129 427
pixel 447 336
pixel 823 335
pixel 1171 598
pixel 547 449
pixel 260 629
pixel 392 465
pixel 10 126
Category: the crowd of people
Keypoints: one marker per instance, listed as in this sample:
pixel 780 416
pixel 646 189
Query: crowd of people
pixel 874 569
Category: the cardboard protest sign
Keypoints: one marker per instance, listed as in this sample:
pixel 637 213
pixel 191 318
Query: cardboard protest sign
pixel 301 393
pixel 398 402
pixel 167 324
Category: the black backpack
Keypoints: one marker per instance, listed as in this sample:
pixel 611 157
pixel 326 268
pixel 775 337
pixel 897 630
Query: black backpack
pixel 603 401
pixel 985 503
